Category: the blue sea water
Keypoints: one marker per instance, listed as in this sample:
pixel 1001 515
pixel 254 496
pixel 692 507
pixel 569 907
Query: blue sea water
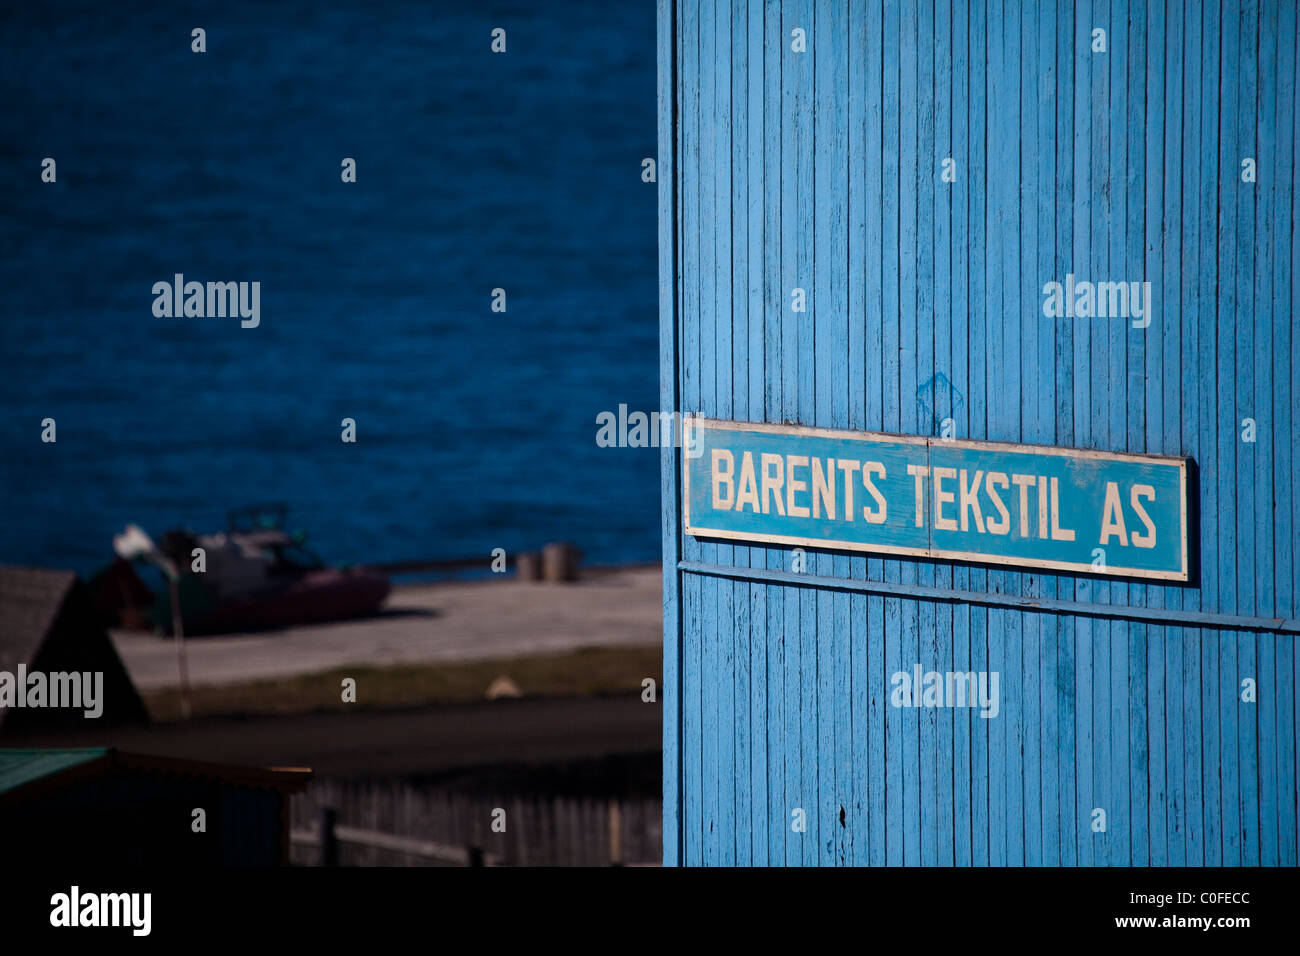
pixel 475 171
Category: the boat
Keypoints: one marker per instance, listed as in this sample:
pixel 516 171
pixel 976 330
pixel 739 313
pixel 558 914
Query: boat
pixel 254 576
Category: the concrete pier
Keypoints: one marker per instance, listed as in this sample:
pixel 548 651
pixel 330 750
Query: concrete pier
pixel 455 621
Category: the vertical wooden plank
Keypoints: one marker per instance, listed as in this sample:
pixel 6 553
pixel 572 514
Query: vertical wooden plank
pixel 1229 302
pixel 1295 418
pixel 1051 196
pixel 1256 744
pixel 1064 634
pixel 1129 685
pixel 1082 431
pixel 924 178
pixel 910 718
pixel 776 303
pixel 704 362
pixel 756 177
pixel 1198 344
pixel 1292 847
pixel 1036 419
pixel 1132 696
pixel 793 112
pixel 874 368
pixel 1018 639
pixel 692 688
pixel 1253 497
pixel 894 799
pixel 1006 639
pixel 827 353
pixel 942 297
pixel 1183 673
pixel 804 241
pixel 1176 429
pixel 1280 192
pixel 834 316
pixel 858 309
pixel 1102 226
pixel 962 264
pixel 1148 788
pixel 669 472
pixel 725 633
pixel 742 631
pixel 983 155
pixel 1206 796
pixel 736 705
pixel 713 225
pixel 1263 769
pixel 1113 412
pixel 1001 399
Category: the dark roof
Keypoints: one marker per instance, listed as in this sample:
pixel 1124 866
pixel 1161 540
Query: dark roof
pixel 26 774
pixel 49 623
pixel 30 599
pixel 21 767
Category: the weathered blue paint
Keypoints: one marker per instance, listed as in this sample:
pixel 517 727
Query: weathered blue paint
pixel 1037 507
pixel 822 171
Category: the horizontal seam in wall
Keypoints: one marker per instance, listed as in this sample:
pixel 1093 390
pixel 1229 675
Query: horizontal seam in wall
pixel 1170 617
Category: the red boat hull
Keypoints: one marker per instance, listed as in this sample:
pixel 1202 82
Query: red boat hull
pixel 314 598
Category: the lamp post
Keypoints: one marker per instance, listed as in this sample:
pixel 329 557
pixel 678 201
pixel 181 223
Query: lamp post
pixel 133 544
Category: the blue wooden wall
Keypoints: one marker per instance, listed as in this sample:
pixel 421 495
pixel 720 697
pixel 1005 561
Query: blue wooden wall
pixel 821 170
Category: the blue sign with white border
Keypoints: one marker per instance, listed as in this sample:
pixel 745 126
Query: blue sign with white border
pixel 1027 506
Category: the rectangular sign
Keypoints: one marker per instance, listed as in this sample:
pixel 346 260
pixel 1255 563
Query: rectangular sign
pixel 1027 506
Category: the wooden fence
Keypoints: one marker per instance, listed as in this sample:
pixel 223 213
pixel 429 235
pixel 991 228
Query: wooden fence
pixel 406 823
